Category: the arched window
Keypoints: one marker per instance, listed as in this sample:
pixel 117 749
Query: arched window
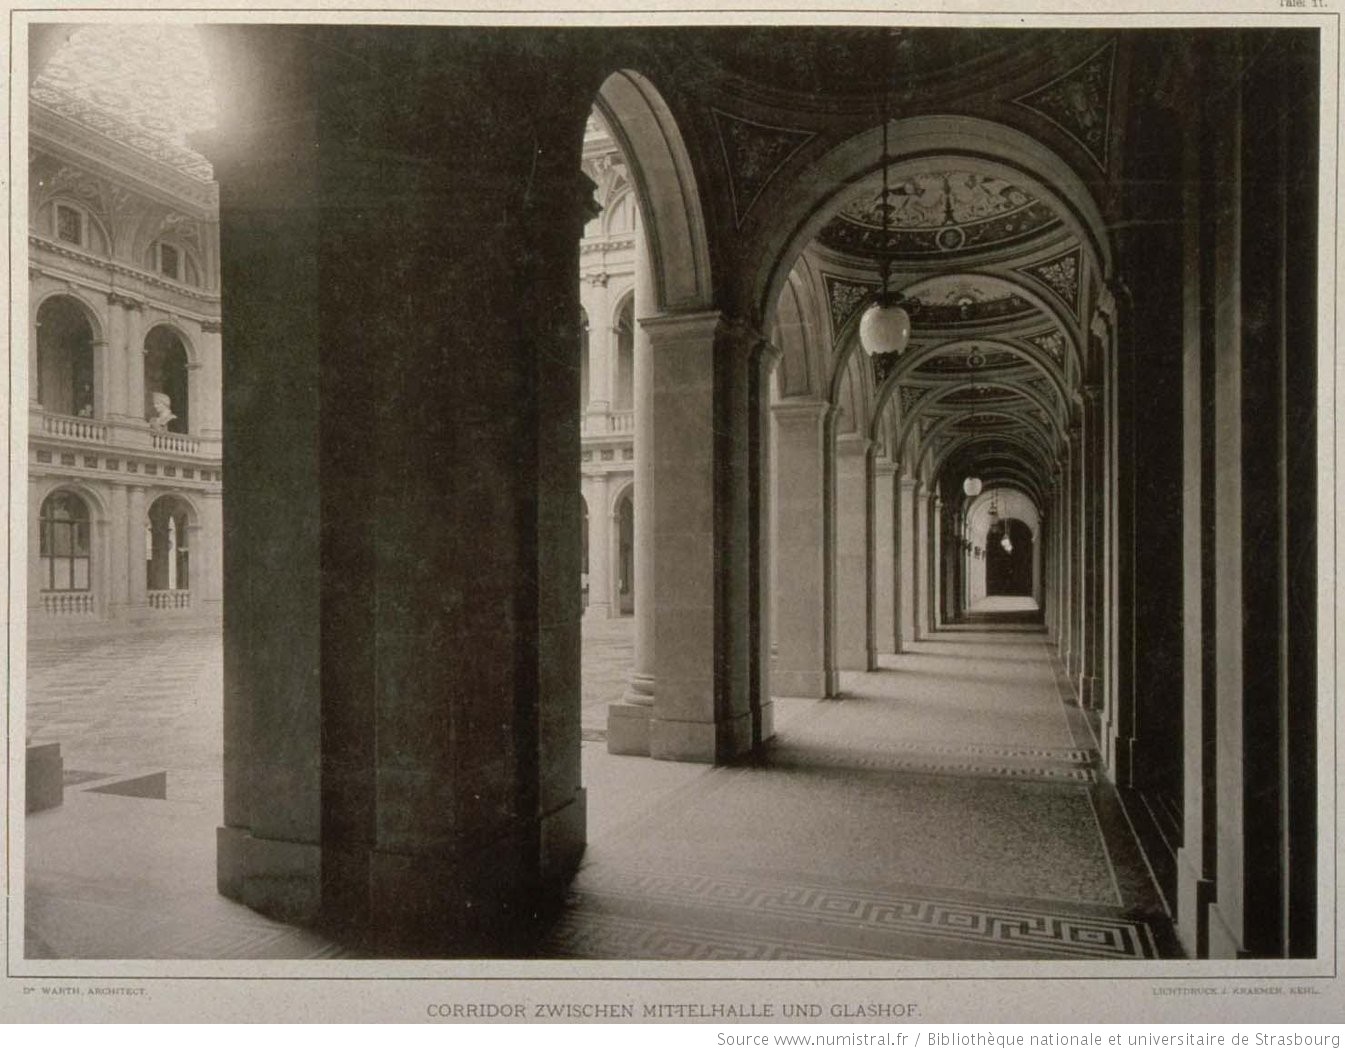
pixel 583 360
pixel 624 397
pixel 625 530
pixel 583 552
pixel 64 544
pixel 165 381
pixel 175 262
pixel 166 554
pixel 64 358
pixel 71 224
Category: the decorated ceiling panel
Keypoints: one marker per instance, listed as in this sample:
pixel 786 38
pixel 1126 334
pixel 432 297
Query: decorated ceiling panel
pixel 936 213
pixel 145 85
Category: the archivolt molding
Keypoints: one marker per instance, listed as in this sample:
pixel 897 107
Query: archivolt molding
pixel 910 363
pixel 824 186
pixel 937 395
pixel 1033 440
pixel 670 200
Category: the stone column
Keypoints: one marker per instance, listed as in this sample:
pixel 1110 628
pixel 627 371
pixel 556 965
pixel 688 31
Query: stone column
pixel 601 540
pixel 36 580
pixel 401 744
pixel 136 565
pixel 207 383
pixel 884 553
pixel 854 580
pixel 628 720
pixel 601 351
pixel 906 527
pixel 207 572
pixel 802 557
pixel 1094 499
pixel 920 555
pixel 1078 553
pixel 703 376
pixel 936 562
pixel 1068 539
pixel 132 312
pixel 116 401
pixel 117 576
pixel 34 367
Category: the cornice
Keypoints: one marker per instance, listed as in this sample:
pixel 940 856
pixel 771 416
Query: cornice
pixel 87 146
pixel 145 278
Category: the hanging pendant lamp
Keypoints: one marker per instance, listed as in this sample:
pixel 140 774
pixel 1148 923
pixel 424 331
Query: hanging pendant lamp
pixel 885 326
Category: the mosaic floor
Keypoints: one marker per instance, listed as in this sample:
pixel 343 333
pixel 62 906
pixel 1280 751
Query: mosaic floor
pixel 946 807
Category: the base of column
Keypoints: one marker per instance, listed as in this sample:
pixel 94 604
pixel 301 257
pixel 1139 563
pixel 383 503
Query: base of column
pixel 765 730
pixel 628 728
pixel 597 612
pixel 799 684
pixel 280 879
pixel 1193 899
pixel 1087 691
pixel 704 741
pixel 564 836
pixel 437 901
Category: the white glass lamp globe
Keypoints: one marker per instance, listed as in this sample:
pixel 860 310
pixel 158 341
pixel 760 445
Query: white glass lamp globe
pixel 971 486
pixel 884 327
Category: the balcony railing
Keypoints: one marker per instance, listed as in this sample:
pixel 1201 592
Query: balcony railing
pixel 169 599
pixel 616 422
pixel 67 604
pixel 174 443
pixel 125 434
pixel 67 427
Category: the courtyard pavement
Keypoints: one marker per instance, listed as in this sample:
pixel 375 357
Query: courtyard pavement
pixel 134 704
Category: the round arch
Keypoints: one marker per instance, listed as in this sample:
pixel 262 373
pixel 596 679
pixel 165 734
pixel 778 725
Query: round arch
pixel 98 509
pixel 997 148
pixel 909 364
pixel 81 304
pixel 937 395
pixel 1008 445
pixel 665 184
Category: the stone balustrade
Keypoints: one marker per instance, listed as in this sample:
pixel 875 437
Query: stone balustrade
pixel 67 604
pixel 168 599
pixel 67 427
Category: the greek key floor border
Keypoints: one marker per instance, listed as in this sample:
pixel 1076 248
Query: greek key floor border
pixel 1073 934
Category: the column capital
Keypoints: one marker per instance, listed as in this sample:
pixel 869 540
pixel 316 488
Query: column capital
pixel 1092 392
pixel 676 327
pixel 852 445
pixel 212 325
pixel 909 482
pixel 800 410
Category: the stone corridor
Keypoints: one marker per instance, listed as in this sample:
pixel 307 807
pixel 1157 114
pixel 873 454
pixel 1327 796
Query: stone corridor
pixel 946 806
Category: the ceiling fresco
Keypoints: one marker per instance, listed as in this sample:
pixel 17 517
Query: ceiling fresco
pixel 937 213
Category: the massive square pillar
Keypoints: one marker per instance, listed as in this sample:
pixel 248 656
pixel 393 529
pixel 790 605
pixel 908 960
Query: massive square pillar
pixel 854 581
pixel 802 554
pixel 401 525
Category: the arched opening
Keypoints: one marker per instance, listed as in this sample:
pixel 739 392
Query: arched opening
pixel 166 381
pixel 623 397
pixel 167 550
pixel 583 553
pixel 65 546
pixel 583 360
pixel 625 554
pixel 65 369
pixel 1008 559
